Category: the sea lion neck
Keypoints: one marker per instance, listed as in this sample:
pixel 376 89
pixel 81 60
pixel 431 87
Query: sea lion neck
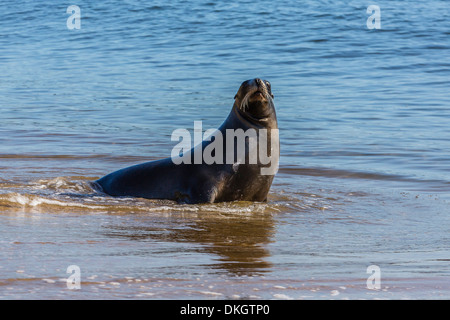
pixel 269 121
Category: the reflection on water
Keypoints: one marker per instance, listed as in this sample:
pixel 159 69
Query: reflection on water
pixel 239 241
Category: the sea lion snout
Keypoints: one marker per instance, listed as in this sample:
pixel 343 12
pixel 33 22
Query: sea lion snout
pixel 259 82
pixel 263 87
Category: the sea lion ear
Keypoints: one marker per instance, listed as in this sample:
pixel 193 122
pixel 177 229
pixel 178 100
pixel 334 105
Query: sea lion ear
pixel 235 97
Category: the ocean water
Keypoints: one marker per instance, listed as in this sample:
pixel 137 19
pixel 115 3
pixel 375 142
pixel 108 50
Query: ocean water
pixel 364 175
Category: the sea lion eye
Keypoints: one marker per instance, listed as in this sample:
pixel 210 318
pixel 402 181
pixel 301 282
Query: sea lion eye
pixel 269 87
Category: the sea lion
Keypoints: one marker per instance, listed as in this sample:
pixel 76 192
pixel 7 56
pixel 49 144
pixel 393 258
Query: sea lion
pixel 229 178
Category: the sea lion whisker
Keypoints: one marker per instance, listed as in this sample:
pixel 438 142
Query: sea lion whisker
pixel 244 104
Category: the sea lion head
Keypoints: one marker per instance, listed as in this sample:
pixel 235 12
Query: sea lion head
pixel 254 100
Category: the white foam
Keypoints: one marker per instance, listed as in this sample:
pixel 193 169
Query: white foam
pixel 334 292
pixel 35 201
pixel 49 280
pixel 211 293
pixel 282 296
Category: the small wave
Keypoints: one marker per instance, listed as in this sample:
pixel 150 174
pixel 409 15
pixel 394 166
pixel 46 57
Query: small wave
pixel 97 203
pixel 80 194
pixel 23 201
pixel 62 184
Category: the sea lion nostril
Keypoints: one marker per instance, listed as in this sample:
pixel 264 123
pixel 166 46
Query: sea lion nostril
pixel 258 81
pixel 261 86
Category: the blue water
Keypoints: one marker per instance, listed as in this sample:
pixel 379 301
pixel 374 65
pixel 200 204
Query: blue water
pixel 365 164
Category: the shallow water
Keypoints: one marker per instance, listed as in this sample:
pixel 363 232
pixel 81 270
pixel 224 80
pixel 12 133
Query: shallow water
pixel 364 170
